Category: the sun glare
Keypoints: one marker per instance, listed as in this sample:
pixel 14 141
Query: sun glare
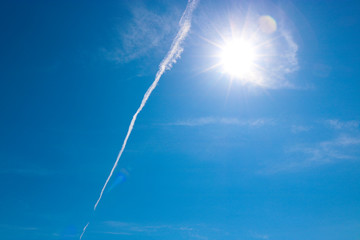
pixel 238 58
pixel 252 51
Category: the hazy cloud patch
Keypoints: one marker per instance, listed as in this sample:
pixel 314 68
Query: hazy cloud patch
pixel 341 144
pixel 259 236
pixel 339 125
pixel 124 228
pixel 342 148
pixel 195 122
pixel 41 172
pixel 299 128
pixel 146 30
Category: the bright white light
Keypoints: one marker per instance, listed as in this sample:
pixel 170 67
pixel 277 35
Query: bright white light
pixel 238 58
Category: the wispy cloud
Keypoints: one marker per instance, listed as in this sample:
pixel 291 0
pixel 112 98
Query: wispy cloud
pixel 339 125
pixel 290 55
pixel 341 144
pixel 328 151
pixel 284 62
pixel 299 128
pixel 124 228
pixel 147 30
pixel 199 231
pixel 284 50
pixel 117 233
pixel 18 228
pixel 224 121
pixel 259 236
pixel 325 152
pixel 41 172
pixel 190 231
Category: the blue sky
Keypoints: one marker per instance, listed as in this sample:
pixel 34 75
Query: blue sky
pixel 211 156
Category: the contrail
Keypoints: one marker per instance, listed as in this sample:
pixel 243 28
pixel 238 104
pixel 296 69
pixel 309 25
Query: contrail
pixel 166 64
pixel 84 230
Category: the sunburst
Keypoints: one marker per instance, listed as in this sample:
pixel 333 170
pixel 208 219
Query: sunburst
pixel 238 58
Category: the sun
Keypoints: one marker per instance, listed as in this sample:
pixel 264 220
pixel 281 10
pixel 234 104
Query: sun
pixel 238 58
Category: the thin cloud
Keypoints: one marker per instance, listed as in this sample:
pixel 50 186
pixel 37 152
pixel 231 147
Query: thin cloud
pixel 343 144
pixel 201 231
pixel 223 121
pixel 18 228
pixel 123 228
pixel 30 172
pixel 343 141
pixel 339 125
pixel 291 53
pixel 116 233
pixel 146 31
pixel 193 231
pixel 259 236
pixel 284 62
pixel 299 128
pixel 343 148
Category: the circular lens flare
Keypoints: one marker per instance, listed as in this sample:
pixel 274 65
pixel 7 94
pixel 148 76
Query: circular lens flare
pixel 238 58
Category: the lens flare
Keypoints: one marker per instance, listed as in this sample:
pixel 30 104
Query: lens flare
pixel 267 24
pixel 120 177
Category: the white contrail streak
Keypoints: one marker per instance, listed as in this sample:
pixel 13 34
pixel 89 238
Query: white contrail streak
pixel 166 64
pixel 84 230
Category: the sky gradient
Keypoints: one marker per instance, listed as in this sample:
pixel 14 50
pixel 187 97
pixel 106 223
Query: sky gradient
pixel 210 156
